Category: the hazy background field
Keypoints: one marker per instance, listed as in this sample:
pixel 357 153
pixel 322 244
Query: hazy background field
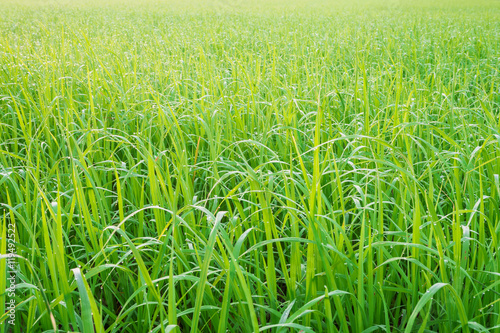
pixel 249 166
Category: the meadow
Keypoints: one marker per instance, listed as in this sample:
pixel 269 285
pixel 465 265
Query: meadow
pixel 249 166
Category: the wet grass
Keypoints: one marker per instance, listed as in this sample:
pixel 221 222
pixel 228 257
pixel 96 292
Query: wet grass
pixel 246 166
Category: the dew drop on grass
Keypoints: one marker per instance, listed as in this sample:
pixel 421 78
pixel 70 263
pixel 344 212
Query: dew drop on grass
pixel 5 173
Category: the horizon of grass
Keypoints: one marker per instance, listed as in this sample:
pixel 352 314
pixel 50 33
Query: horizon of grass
pixel 251 166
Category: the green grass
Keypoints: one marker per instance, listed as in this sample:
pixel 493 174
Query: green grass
pixel 250 166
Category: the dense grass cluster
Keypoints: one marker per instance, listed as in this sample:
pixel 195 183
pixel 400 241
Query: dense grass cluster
pixel 246 166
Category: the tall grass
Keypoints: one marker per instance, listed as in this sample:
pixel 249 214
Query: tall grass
pixel 251 167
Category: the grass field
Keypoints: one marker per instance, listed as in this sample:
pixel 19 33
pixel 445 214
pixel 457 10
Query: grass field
pixel 246 166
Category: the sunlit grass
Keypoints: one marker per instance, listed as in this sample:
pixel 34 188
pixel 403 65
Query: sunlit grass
pixel 251 166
